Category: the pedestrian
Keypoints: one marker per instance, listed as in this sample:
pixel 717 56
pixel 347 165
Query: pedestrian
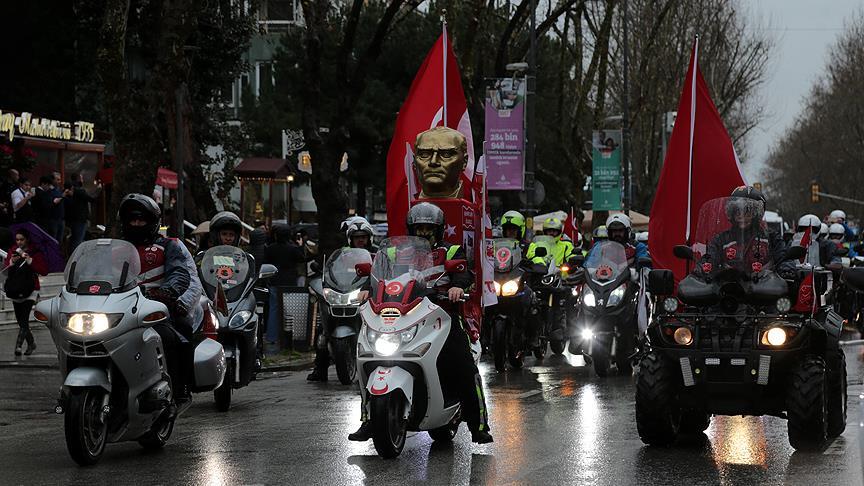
pixel 24 263
pixel 285 254
pixel 48 207
pixel 8 184
pixel 258 240
pixel 78 210
pixel 22 201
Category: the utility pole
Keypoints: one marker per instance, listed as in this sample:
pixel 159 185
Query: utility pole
pixel 625 120
pixel 530 97
pixel 178 160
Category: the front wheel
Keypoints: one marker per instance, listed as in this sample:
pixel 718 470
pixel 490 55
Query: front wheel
pixel 222 394
pixel 499 343
pixel 600 351
pixel 558 346
pixel 837 396
pixel 389 426
pixel 85 425
pixel 540 352
pixel 658 416
pixel 807 405
pixel 344 350
pixel 623 350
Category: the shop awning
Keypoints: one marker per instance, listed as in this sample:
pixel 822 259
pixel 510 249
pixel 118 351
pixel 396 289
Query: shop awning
pixel 166 178
pixel 261 168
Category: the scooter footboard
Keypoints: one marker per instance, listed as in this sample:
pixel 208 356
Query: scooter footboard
pixel 386 380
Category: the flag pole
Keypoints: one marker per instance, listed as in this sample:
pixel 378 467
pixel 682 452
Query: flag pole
pixel 444 55
pixel 692 129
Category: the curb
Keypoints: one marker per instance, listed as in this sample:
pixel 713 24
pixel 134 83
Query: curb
pixel 300 365
pixel 27 365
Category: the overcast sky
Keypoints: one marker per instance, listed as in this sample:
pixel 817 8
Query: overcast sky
pixel 803 32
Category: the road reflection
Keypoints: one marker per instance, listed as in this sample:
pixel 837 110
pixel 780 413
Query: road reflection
pixel 739 441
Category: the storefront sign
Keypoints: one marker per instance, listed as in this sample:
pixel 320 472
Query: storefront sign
pixel 25 124
pixel 606 173
pixel 505 134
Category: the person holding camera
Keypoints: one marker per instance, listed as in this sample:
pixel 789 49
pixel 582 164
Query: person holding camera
pixel 24 264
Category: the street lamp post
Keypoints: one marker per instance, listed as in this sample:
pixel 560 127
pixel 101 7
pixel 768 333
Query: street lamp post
pixel 625 120
pixel 289 180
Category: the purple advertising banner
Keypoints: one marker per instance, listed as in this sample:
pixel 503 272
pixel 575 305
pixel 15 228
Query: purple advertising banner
pixel 505 134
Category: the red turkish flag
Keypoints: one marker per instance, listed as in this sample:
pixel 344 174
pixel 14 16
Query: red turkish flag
pixel 423 109
pixel 571 229
pixel 700 165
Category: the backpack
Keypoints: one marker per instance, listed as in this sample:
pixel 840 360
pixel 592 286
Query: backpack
pixel 20 283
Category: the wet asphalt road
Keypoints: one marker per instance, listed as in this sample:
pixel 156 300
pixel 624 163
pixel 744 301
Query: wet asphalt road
pixel 553 423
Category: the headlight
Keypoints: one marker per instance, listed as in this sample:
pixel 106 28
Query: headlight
pixel 588 297
pixel 240 318
pixel 587 334
pixel 88 324
pixel 386 344
pixel 616 296
pixel 510 287
pixel 683 336
pixel 497 288
pixel 574 291
pixel 670 304
pixel 776 336
pixel 408 335
pixel 783 305
pixel 335 298
pixel 354 297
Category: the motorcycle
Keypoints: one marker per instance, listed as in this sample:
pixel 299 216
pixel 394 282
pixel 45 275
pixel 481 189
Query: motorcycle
pixel 605 327
pixel 402 336
pixel 550 298
pixel 338 294
pixel 507 317
pixel 228 276
pixel 115 382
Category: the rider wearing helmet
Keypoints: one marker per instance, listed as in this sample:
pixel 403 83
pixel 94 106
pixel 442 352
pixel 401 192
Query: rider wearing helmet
pixel 563 248
pixel 836 235
pixel 823 232
pixel 619 228
pixel 225 229
pixel 455 364
pixel 839 216
pixel 513 226
pixel 358 233
pixel 825 248
pixel 168 274
pixel 748 239
pixel 600 233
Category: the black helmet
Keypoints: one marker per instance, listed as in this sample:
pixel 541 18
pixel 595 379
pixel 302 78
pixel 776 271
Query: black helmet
pixel 225 220
pixel 746 198
pixel 138 206
pixel 426 213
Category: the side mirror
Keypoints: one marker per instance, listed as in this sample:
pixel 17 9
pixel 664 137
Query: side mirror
pixel 363 269
pixel 661 282
pixel 455 266
pixel 796 252
pixel 267 271
pixel 540 251
pixel 683 252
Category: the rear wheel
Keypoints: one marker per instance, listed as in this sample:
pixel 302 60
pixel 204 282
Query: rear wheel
pixel 222 394
pixel 85 425
pixel 344 350
pixel 499 343
pixel 623 350
pixel 658 417
pixel 837 395
pixel 807 405
pixel 389 427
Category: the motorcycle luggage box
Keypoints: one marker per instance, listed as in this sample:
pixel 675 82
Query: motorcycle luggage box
pixel 208 365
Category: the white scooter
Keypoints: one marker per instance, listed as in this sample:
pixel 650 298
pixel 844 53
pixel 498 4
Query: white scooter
pixel 401 338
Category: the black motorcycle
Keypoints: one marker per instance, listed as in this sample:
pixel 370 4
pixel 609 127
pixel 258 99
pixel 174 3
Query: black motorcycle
pixel 507 317
pixel 228 276
pixel 551 297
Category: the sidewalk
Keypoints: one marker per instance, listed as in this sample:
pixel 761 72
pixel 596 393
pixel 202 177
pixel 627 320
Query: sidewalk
pixel 45 355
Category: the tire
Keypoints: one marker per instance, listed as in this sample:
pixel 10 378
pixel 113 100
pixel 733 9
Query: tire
pixel 694 422
pixel 344 355
pixel 499 344
pixel 85 428
pixel 445 433
pixel 558 347
pixel 516 361
pixel 807 405
pixel 222 394
pixel 389 428
pixel 658 416
pixel 837 395
pixel 600 357
pixel 623 351
pixel 158 435
pixel 540 353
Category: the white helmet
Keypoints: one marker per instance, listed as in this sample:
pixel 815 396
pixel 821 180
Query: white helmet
pixel 836 229
pixel 358 225
pixel 809 221
pixel 642 237
pixel 618 218
pixel 837 215
pixel 823 230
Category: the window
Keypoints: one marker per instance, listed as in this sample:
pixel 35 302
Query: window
pixel 264 78
pixel 281 10
pixel 243 88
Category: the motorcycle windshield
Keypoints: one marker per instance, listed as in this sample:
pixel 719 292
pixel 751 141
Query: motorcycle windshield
pixel 546 242
pixel 229 266
pixel 731 235
pixel 606 262
pixel 508 254
pixel 340 272
pixel 102 266
pixel 401 269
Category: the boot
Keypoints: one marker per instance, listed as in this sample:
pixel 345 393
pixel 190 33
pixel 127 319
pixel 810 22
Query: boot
pixel 317 375
pixel 31 344
pixel 18 342
pixel 362 434
pixel 481 437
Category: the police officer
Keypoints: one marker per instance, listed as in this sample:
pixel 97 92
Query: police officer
pixel 563 248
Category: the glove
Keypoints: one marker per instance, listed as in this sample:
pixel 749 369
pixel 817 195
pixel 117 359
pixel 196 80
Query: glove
pixel 165 295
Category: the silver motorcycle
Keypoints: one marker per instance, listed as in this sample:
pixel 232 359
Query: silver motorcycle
pixel 115 381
